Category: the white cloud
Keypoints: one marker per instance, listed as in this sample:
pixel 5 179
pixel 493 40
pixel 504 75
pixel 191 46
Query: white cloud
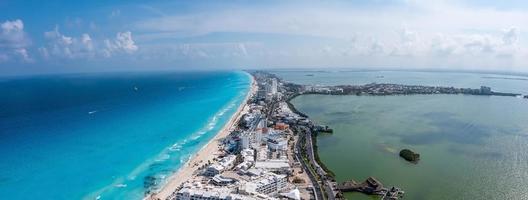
pixel 511 36
pixel 86 40
pixel 23 54
pixel 123 43
pixel 442 45
pixel 408 44
pixel 12 26
pixel 84 47
pixel 434 31
pixel 409 32
pixel 479 44
pixel 200 51
pixel 327 20
pixel 14 41
pixel 62 46
pixel 376 48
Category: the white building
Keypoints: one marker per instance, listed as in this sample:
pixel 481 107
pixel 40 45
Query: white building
pixel 222 165
pixel 258 138
pixel 217 193
pixel 269 184
pixel 221 181
pixel 262 153
pixel 245 140
pixel 213 170
pixel 248 156
pixel 276 142
pixel 274 165
pixel 273 86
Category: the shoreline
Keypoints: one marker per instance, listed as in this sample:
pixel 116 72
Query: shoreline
pixel 206 153
pixel 314 137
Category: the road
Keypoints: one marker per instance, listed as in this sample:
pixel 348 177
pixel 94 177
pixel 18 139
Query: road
pixel 327 184
pixel 317 188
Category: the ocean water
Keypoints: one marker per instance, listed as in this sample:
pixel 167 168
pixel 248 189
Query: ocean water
pixel 472 147
pixel 112 136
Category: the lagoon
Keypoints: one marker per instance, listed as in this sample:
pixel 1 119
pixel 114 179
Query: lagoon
pixel 472 147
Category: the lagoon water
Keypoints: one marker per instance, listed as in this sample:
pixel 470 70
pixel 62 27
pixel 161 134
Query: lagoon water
pixel 472 147
pixel 112 136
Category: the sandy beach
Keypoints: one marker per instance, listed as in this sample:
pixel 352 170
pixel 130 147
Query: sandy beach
pixel 208 152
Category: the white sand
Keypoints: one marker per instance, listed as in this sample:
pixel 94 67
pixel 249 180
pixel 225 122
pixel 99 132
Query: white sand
pixel 208 152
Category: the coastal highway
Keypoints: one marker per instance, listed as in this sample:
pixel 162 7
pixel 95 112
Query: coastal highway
pixel 327 184
pixel 298 149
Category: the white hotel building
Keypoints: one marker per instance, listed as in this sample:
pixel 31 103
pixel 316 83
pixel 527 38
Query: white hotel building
pixel 270 184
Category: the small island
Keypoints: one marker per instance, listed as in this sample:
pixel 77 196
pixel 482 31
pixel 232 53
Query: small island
pixel 409 155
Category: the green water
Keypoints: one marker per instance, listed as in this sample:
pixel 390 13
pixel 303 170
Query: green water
pixel 472 147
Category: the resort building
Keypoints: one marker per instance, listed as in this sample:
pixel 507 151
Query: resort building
pixel 277 166
pixel 276 142
pixel 222 181
pixel 262 153
pixel 217 193
pixel 217 168
pixel 269 184
pixel 248 156
pixel 274 86
pixel 261 94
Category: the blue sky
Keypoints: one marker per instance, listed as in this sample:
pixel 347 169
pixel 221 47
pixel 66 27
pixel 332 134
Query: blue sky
pixel 77 36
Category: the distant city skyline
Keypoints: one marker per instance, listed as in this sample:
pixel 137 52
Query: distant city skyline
pixel 96 36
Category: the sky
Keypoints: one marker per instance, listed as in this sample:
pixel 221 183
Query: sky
pixel 38 37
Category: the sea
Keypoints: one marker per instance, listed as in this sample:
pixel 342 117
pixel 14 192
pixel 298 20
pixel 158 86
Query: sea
pixel 107 135
pixel 471 147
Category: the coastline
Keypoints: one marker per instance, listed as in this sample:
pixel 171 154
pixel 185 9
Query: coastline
pixel 206 153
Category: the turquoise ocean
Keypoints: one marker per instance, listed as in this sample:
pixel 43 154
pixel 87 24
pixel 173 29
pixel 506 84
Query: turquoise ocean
pixel 107 136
